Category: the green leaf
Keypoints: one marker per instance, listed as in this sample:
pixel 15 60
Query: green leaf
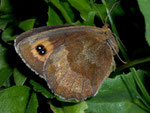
pixel 144 6
pixel 7 34
pixel 5 6
pixel 53 17
pixel 83 6
pixel 27 24
pixel 7 83
pixel 39 88
pixel 144 93
pixel 69 108
pixel 19 78
pixel 68 9
pixel 33 104
pixel 5 69
pixel 64 100
pixel 62 10
pixel 14 99
pixel 116 96
pixel 90 18
pixel 5 13
pixel 4 21
pixel 3 24
pixel 100 11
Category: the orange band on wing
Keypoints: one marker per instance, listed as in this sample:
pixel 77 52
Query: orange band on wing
pixel 48 46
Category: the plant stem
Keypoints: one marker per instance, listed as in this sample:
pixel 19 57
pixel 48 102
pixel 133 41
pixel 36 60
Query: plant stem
pixel 133 63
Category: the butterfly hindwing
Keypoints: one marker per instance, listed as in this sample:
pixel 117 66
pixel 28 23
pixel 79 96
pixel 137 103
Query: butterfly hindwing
pixel 76 69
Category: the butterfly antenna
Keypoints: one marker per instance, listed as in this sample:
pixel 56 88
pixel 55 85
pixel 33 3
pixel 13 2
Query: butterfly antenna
pixel 111 45
pixel 119 40
pixel 111 10
pixel 91 2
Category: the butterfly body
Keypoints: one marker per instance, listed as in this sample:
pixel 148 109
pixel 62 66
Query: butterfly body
pixel 74 60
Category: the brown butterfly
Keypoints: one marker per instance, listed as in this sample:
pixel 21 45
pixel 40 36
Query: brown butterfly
pixel 74 60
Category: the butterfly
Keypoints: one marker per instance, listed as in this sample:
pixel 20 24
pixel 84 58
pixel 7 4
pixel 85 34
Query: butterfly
pixel 73 60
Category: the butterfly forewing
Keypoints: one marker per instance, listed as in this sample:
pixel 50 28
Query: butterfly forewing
pixel 27 43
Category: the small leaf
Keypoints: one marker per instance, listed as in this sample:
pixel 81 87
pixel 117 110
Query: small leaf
pixel 83 6
pixel 144 6
pixel 90 18
pixel 4 22
pixel 27 24
pixel 39 88
pixel 5 69
pixel 68 9
pixel 100 11
pixel 5 6
pixel 64 100
pixel 14 99
pixel 69 107
pixel 53 17
pixel 19 78
pixel 62 10
pixel 5 13
pixel 7 83
pixel 7 34
pixel 33 104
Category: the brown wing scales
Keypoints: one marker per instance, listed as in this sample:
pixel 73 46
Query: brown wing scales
pixel 75 63
pixel 88 62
